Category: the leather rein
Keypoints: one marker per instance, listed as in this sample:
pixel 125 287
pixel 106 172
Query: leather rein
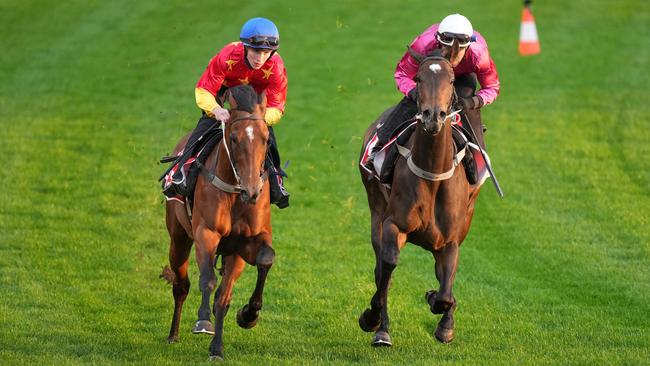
pixel 458 156
pixel 213 178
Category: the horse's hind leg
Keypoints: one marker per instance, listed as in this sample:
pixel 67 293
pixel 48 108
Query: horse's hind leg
pixel 233 267
pixel 392 242
pixel 179 252
pixel 206 249
pixel 443 301
pixel 247 316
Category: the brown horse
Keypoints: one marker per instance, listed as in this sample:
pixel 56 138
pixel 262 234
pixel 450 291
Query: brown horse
pixel 231 217
pixel 431 203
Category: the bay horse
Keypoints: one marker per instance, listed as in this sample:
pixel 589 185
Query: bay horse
pixel 231 217
pixel 430 203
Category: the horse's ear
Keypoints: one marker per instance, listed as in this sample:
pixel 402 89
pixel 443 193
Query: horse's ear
pixel 455 48
pixel 417 56
pixel 261 99
pixel 231 99
pixel 445 52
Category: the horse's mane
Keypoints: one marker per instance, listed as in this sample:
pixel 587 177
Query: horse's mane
pixel 245 97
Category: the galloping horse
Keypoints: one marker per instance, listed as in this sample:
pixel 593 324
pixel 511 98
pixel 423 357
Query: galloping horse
pixel 231 217
pixel 431 203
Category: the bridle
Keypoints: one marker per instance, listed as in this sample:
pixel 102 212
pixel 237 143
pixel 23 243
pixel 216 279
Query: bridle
pixel 247 117
pixel 453 97
pixel 212 177
pixel 458 157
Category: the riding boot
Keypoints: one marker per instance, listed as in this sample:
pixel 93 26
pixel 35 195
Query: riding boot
pixel 279 195
pixel 403 111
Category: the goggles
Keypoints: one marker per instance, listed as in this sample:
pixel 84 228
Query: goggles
pixel 262 41
pixel 448 39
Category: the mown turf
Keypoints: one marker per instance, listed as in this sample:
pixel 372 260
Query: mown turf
pixel 92 93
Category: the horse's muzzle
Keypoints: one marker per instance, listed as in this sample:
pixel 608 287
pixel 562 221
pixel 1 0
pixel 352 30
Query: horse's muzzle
pixel 249 197
pixel 433 120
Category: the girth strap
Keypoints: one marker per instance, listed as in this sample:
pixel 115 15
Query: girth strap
pixel 406 153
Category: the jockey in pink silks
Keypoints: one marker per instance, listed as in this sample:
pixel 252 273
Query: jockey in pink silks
pixel 471 64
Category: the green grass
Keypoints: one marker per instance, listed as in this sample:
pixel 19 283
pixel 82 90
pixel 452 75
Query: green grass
pixel 93 92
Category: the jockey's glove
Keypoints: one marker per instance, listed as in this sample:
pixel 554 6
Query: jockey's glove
pixel 221 114
pixel 471 103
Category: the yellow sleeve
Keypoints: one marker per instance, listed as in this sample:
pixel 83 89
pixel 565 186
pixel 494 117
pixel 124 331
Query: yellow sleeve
pixel 272 116
pixel 205 100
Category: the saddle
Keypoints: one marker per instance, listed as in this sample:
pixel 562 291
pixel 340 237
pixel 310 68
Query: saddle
pixel 191 157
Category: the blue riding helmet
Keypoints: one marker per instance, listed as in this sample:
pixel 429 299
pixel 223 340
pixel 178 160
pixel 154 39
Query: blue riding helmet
pixel 260 33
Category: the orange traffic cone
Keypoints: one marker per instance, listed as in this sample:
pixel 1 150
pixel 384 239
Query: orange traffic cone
pixel 528 41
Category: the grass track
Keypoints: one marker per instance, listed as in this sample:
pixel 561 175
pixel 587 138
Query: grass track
pixel 92 93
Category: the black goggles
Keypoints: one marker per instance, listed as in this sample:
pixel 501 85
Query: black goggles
pixel 448 39
pixel 262 41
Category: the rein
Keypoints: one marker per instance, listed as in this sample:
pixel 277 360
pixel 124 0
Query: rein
pixel 213 178
pixel 407 154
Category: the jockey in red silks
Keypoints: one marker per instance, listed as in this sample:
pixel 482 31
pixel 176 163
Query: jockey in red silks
pixel 253 61
pixel 472 63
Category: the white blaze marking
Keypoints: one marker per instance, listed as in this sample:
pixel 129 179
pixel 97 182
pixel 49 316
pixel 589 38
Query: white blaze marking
pixel 435 68
pixel 249 132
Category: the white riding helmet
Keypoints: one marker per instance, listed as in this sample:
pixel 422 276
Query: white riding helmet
pixel 455 26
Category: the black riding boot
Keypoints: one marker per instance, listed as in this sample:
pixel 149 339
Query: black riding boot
pixel 279 195
pixel 465 87
pixel 183 182
pixel 404 110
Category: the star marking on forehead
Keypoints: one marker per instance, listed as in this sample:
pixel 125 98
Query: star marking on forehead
pixel 435 68
pixel 249 132
pixel 230 62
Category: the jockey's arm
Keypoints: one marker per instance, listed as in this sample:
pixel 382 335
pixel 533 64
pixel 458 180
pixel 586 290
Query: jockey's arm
pixel 205 100
pixel 276 94
pixel 489 79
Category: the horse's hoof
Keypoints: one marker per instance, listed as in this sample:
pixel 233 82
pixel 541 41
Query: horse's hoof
pixel 172 339
pixel 381 339
pixel 444 335
pixel 245 323
pixel 203 327
pixel 368 322
pixel 428 296
pixel 215 358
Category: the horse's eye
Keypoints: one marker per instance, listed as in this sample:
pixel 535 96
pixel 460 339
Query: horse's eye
pixel 417 79
pixel 233 139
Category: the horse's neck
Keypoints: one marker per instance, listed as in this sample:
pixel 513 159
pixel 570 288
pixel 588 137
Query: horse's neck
pixel 433 154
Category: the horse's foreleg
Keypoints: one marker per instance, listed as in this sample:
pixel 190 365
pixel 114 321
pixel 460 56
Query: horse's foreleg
pixel 369 321
pixel 179 252
pixel 392 242
pixel 247 316
pixel 443 301
pixel 206 249
pixel 233 267
pixel 375 237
